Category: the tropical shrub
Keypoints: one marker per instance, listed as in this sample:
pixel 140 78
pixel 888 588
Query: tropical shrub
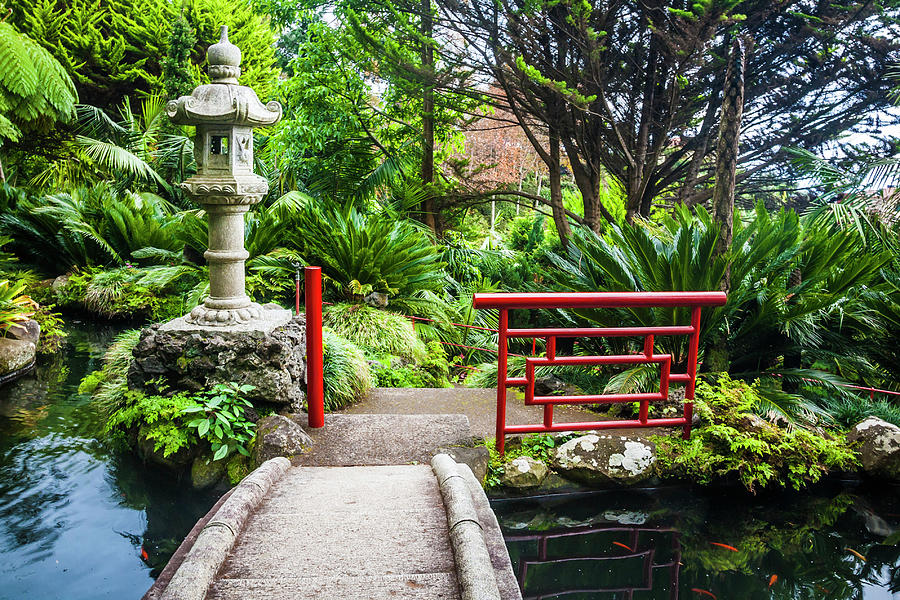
pixel 733 441
pixel 794 291
pixel 109 385
pixel 155 293
pixel 432 372
pixel 375 331
pixel 35 90
pixel 15 307
pixel 221 420
pixel 90 226
pixel 366 253
pixel 347 376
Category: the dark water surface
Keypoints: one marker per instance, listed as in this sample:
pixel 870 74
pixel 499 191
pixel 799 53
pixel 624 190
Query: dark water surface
pixel 839 543
pixel 75 516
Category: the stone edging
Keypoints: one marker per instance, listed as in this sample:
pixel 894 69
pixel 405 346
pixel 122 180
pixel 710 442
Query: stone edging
pixel 195 575
pixel 474 570
pixel 12 375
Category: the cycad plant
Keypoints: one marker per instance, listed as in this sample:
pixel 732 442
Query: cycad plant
pixel 366 253
pixel 88 226
pixel 792 288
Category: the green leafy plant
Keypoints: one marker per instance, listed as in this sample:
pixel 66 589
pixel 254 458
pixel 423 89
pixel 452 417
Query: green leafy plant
pixel 156 419
pixel 347 375
pixel 15 307
pixel 734 441
pixel 375 331
pixel 221 419
pixel 433 371
pixel 52 334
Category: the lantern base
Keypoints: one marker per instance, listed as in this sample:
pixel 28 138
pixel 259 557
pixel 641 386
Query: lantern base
pixel 228 317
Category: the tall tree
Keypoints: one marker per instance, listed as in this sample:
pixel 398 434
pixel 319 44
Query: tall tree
pixel 116 48
pixel 633 87
pixel 177 70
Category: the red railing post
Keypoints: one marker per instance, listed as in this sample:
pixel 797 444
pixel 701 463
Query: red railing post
pixel 315 385
pixel 501 380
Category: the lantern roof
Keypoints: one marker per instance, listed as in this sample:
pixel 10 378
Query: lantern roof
pixel 223 101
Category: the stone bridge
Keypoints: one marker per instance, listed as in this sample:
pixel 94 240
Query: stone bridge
pixel 361 515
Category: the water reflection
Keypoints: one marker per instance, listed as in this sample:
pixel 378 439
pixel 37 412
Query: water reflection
pixel 685 544
pixel 75 516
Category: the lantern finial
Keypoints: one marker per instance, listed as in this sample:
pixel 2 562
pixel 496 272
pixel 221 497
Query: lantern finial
pixel 224 60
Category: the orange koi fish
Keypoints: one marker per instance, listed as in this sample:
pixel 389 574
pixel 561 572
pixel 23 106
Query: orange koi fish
pixel 144 555
pixel 704 593
pixel 856 554
pixel 773 580
pixel 624 546
pixel 726 546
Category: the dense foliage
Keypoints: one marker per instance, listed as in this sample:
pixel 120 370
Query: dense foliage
pixel 431 152
pixel 732 441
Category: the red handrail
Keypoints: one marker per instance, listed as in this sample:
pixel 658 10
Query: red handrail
pixel 506 302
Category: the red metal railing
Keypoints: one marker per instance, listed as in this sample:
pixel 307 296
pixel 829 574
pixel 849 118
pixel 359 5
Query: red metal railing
pixel 592 562
pixel 315 383
pixel 507 302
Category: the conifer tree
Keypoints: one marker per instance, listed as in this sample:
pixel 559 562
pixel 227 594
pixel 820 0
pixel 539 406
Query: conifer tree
pixel 178 74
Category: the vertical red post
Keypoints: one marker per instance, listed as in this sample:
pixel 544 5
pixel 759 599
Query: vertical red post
pixel 315 385
pixel 693 349
pixel 501 380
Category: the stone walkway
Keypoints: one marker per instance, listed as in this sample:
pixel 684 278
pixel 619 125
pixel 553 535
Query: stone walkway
pixel 347 533
pixel 479 404
pixel 357 516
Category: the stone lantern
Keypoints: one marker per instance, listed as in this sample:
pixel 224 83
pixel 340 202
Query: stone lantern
pixel 225 114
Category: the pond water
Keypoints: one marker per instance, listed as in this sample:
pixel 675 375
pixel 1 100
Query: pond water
pixel 77 519
pixel 839 543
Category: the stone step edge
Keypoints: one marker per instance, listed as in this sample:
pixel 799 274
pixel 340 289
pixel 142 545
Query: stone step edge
pixel 196 573
pixel 474 570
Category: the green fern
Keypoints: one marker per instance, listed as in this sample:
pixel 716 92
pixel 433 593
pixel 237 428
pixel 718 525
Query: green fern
pixel 35 91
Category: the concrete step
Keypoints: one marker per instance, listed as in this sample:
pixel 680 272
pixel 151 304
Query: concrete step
pixel 430 586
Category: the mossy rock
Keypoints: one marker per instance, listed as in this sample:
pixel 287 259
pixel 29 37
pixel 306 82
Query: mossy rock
pixel 206 473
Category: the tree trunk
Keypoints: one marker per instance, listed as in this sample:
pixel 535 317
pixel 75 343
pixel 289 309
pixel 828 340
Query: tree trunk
pixel 428 208
pixel 727 150
pixel 726 165
pixel 556 201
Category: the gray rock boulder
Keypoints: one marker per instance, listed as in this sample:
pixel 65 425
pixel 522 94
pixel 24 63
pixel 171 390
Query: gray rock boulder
pixel 523 472
pixel 59 284
pixel 376 300
pixel 477 457
pixel 606 459
pixel 29 331
pixel 272 359
pixel 206 473
pixel 15 355
pixel 879 447
pixel 277 435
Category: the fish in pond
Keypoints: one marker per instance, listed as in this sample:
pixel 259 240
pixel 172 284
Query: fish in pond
pixel 773 580
pixel 704 593
pixel 726 546
pixel 856 554
pixel 624 546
